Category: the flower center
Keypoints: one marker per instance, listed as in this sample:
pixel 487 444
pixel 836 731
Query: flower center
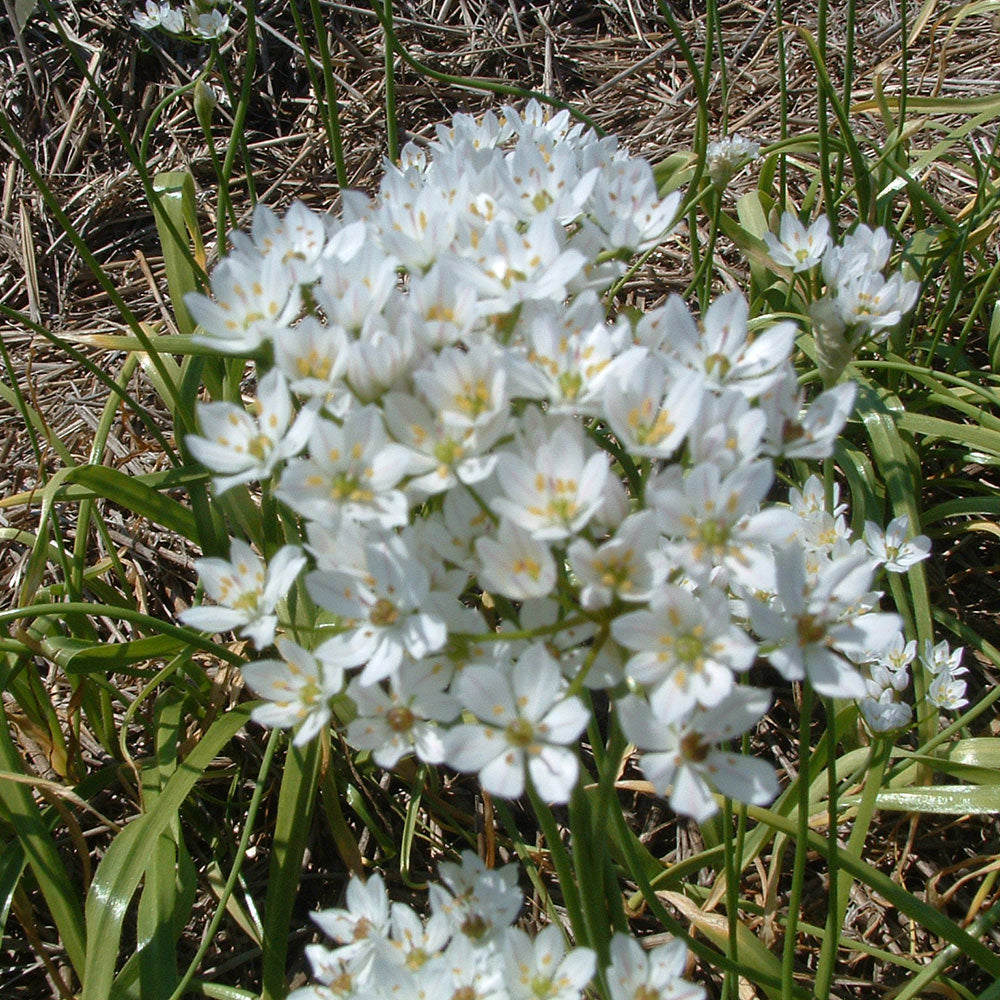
pixel 383 613
pixel 520 732
pixel 400 719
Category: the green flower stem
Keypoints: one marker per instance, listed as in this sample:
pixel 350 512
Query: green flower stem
pixel 834 913
pixel 730 984
pixel 383 9
pixel 332 117
pixel 801 846
pixel 561 862
pixel 241 850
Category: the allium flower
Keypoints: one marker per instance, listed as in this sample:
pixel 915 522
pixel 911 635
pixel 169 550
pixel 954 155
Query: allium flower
pixel 389 611
pixel 149 17
pixel 686 649
pixel 721 351
pixel 884 714
pixel 635 974
pixel 352 470
pixel 819 620
pixel 681 757
pixel 246 591
pixel 553 491
pixel 403 719
pixel 650 410
pixel 298 689
pixel 478 902
pixel 245 449
pixel 799 248
pixel 727 157
pixel 892 548
pixel 628 566
pixel 208 25
pixel 946 690
pixel 359 926
pixel 515 563
pixel 542 969
pixel 525 724
pixel 253 301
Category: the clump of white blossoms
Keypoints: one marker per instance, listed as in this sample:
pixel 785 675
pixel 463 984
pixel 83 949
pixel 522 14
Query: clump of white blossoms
pixel 505 496
pixel 858 304
pixel 468 948
pixel 199 20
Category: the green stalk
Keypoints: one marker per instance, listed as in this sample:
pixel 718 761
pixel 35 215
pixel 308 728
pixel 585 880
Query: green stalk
pixel 331 120
pixel 562 864
pixel 241 850
pixel 801 847
pixel 730 984
pixel 779 18
pixel 391 116
pixel 834 915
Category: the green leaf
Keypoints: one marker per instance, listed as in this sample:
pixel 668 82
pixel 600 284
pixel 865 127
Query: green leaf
pixel 174 199
pixel 946 800
pixel 18 807
pixel 126 860
pixel 136 496
pixel 296 803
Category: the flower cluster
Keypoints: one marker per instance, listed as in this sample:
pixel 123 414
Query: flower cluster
pixel 469 948
pixel 199 19
pixel 506 496
pixel 859 303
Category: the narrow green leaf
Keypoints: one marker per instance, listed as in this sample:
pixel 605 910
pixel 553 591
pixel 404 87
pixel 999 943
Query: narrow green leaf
pixel 125 862
pixel 18 808
pixel 947 800
pixel 296 802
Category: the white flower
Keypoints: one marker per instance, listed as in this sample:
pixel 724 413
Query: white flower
pixel 211 24
pixel 892 548
pixel 479 902
pixel 389 611
pixel 947 691
pixel 799 248
pixel 686 649
pixel 149 17
pixel 720 352
pixel 713 520
pixel 351 471
pixel 635 974
pixel 556 488
pixel 728 156
pixel 681 756
pixel 515 564
pixel 819 619
pixel 254 299
pixel 525 724
pixel 542 969
pixel 312 357
pixel 246 591
pixel 298 689
pixel 245 449
pixel 628 566
pixel 941 659
pixel 403 720
pixel 649 410
pixel 884 714
pixel 359 926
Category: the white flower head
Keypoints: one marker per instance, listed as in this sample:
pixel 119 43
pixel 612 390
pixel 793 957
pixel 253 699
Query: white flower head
pixel 541 969
pixel 525 725
pixel 298 689
pixel 244 449
pixel 478 902
pixel 682 757
pixel 245 590
pixel 635 974
pixel 892 548
pixel 728 156
pixel 799 248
